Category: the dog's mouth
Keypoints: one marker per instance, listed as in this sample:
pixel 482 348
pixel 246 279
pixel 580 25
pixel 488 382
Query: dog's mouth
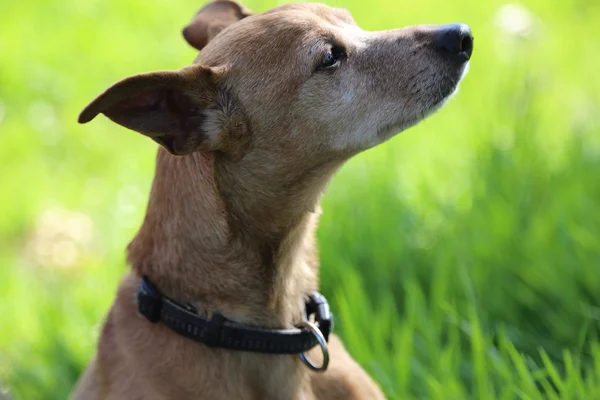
pixel 444 88
pixel 441 93
pixel 450 85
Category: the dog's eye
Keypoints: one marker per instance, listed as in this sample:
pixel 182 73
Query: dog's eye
pixel 332 58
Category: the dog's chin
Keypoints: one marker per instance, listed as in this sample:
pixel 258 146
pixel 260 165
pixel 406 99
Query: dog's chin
pixel 445 92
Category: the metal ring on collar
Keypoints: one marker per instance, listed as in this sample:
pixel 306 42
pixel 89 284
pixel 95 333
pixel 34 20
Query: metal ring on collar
pixel 322 343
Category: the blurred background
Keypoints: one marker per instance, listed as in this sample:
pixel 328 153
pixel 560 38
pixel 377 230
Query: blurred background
pixel 462 259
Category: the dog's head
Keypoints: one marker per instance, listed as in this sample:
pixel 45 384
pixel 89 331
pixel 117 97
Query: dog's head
pixel 301 80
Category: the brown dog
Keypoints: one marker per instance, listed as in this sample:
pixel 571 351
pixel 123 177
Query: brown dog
pixel 251 135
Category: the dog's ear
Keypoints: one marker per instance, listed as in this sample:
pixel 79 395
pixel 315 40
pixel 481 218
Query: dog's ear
pixel 212 19
pixel 170 107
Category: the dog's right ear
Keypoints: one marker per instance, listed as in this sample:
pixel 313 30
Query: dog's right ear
pixel 212 19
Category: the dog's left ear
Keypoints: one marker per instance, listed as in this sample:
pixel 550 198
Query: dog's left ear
pixel 180 110
pixel 212 19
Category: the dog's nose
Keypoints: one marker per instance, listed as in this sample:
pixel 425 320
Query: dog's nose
pixel 454 40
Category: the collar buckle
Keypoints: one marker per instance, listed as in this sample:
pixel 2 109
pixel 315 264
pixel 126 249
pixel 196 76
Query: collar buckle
pixel 317 305
pixel 149 301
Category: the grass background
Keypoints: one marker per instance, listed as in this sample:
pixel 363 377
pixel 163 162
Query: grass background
pixel 462 259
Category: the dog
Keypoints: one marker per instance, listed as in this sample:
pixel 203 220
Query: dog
pixel 250 135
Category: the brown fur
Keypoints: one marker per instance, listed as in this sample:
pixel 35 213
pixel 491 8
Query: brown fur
pixel 253 133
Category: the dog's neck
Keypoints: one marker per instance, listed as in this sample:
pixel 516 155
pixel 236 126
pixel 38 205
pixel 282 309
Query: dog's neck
pixel 231 238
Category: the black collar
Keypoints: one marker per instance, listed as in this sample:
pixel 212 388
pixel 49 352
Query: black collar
pixel 222 332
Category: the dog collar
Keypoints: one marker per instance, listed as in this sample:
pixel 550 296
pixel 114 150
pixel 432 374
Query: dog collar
pixel 219 331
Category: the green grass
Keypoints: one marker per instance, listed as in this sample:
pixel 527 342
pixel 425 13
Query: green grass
pixel 462 259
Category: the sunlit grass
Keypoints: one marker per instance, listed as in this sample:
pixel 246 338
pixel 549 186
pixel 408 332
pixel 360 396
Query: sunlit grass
pixel 462 259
